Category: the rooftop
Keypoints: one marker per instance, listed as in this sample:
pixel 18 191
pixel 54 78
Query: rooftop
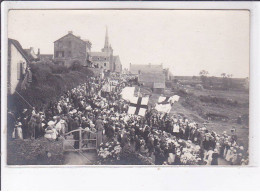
pixel 19 48
pixel 145 68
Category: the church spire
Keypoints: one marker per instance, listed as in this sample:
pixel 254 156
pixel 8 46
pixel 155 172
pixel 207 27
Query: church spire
pixel 106 40
pixel 107 47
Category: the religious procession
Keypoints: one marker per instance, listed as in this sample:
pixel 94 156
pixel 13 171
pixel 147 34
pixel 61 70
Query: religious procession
pixel 108 114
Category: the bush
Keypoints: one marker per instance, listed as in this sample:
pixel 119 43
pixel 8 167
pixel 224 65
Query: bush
pixel 49 81
pixel 76 67
pixel 59 69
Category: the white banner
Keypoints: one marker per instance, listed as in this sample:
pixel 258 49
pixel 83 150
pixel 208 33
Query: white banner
pixel 166 108
pixel 138 105
pixel 128 93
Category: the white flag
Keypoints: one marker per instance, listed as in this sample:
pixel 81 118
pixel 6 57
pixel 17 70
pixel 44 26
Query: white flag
pixel 166 100
pixel 138 105
pixel 166 108
pixel 128 93
pixel 164 103
pixel 174 98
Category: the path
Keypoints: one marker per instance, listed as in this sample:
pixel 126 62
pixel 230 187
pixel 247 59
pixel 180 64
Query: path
pixel 78 158
pixel 84 158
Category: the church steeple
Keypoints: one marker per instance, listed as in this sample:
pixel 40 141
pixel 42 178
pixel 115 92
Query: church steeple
pixel 106 39
pixel 107 47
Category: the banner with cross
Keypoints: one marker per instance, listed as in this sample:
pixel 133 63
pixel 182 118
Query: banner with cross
pixel 138 105
pixel 164 104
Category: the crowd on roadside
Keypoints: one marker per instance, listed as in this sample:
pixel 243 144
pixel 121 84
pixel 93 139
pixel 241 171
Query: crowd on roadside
pixel 165 139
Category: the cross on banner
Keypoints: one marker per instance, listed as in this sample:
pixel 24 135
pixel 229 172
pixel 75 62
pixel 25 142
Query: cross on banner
pixel 165 101
pixel 138 105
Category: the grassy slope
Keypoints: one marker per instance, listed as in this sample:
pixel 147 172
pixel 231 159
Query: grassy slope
pixel 195 110
pixel 48 84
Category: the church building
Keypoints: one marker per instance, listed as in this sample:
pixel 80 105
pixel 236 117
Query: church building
pixel 105 59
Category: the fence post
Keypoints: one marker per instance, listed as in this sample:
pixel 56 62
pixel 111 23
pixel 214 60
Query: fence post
pixel 96 142
pixel 80 136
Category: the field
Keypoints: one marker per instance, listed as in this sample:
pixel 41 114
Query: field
pixel 220 109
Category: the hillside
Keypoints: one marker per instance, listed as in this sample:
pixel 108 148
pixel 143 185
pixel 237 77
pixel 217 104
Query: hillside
pixel 49 82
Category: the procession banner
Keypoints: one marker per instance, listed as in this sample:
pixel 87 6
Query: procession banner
pixel 166 108
pixel 174 98
pixel 164 104
pixel 138 106
pixel 127 93
pixel 166 100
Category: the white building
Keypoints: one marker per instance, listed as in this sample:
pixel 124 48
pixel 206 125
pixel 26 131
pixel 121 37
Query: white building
pixel 17 63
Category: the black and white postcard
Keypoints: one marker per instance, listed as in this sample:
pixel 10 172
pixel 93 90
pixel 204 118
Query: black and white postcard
pixel 127 87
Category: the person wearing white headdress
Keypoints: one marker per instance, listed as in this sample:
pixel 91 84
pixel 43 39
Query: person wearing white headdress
pixel 50 132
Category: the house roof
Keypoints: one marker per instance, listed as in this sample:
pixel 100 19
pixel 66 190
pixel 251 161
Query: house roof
pixel 159 85
pixel 145 68
pixel 99 54
pixel 19 48
pixel 70 34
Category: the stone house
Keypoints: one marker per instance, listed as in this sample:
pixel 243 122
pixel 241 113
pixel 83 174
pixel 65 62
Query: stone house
pixel 71 49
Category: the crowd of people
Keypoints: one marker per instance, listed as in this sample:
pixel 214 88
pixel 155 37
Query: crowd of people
pixel 164 138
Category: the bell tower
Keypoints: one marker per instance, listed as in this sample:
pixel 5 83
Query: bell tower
pixel 107 47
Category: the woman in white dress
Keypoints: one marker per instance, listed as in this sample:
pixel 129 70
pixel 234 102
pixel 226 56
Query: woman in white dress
pixel 51 132
pixel 19 131
pixel 209 156
pixel 229 154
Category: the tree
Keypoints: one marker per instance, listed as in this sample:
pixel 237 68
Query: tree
pixel 204 73
pixel 229 75
pixel 223 75
pixel 203 76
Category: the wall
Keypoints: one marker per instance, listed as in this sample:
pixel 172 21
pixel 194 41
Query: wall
pixel 117 65
pixel 100 60
pixel 16 58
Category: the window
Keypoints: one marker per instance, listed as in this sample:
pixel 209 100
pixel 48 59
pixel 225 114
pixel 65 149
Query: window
pixel 19 70
pixel 69 43
pixel 69 53
pixel 98 58
pixel 59 53
pixel 105 64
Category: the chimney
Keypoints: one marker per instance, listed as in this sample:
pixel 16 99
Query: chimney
pixel 31 48
pixel 70 32
pixel 78 37
pixel 38 52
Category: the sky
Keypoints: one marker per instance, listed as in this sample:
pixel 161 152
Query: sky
pixel 185 41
